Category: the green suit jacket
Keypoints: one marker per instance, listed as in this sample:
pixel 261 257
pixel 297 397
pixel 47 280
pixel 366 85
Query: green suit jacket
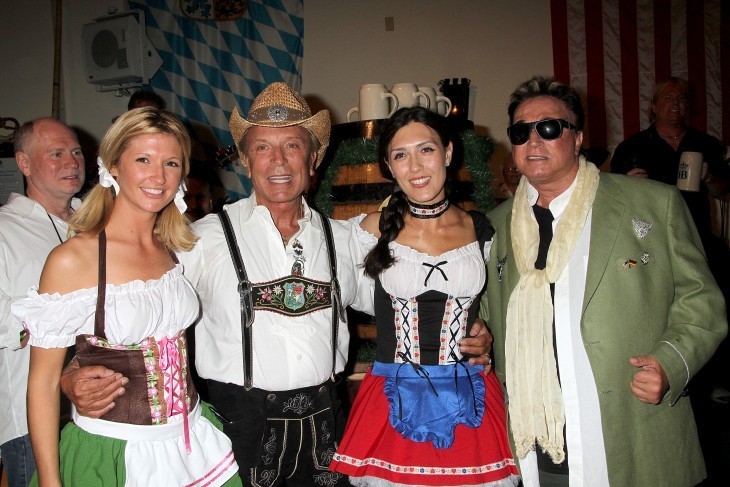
pixel 669 308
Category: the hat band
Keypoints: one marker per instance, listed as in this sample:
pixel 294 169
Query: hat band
pixel 277 114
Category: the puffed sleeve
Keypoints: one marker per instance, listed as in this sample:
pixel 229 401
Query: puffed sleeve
pixel 54 320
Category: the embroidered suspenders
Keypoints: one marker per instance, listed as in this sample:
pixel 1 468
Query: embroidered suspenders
pixel 246 294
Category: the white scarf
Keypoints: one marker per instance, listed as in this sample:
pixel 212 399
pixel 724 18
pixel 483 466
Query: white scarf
pixel 536 403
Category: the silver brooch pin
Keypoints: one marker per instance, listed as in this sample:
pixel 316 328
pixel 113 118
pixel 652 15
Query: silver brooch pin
pixel 500 267
pixel 645 258
pixel 641 227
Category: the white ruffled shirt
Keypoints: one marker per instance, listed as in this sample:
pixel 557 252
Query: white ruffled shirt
pixel 134 311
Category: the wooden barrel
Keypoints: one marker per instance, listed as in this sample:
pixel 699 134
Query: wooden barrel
pixel 359 189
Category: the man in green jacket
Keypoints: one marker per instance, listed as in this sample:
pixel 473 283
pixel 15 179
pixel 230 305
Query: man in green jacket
pixel 602 309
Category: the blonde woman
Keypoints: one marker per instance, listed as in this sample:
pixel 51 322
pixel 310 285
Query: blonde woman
pixel 117 292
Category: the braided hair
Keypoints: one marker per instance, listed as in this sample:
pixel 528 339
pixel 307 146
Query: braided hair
pixel 392 218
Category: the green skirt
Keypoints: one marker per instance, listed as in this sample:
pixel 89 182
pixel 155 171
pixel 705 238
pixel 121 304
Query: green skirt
pixel 94 460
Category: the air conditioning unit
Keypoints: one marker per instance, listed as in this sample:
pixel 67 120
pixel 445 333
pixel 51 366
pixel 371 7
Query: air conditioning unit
pixel 117 52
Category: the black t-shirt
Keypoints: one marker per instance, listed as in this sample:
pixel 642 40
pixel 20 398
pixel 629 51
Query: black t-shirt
pixel 649 151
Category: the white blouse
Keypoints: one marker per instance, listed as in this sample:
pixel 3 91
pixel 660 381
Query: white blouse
pixel 134 311
pixel 464 268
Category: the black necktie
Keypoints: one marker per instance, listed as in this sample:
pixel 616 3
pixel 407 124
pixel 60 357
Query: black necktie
pixel 545 224
pixel 545 219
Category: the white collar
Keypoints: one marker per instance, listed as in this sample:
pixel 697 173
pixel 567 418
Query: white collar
pixel 558 204
pixel 251 205
pixel 24 206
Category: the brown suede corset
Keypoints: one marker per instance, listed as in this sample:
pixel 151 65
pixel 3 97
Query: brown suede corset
pixel 143 402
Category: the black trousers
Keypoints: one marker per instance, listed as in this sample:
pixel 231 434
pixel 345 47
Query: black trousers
pixel 281 437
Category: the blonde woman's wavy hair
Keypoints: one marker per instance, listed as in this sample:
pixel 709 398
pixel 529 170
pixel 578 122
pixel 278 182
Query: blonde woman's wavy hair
pixel 172 228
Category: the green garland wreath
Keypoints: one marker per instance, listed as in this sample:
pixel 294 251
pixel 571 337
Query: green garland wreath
pixel 478 150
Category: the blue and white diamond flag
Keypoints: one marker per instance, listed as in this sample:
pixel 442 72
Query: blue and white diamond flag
pixel 221 54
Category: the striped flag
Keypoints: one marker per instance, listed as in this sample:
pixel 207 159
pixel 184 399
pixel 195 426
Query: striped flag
pixel 614 52
pixel 220 54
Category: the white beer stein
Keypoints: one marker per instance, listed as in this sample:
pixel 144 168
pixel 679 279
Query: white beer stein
pixel 374 103
pixel 689 174
pixel 436 100
pixel 409 96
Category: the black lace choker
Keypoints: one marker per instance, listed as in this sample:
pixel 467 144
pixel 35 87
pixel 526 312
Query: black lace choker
pixel 429 211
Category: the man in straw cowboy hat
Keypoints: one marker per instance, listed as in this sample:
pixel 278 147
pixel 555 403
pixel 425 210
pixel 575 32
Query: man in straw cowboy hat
pixel 273 332
pixel 271 351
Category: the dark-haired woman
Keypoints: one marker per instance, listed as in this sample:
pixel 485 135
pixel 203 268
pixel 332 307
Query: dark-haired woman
pixel 424 415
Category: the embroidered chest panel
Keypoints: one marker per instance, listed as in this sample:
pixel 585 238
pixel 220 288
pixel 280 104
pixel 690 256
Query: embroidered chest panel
pixel 292 295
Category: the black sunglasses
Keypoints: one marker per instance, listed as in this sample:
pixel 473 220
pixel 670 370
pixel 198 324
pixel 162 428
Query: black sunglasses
pixel 548 129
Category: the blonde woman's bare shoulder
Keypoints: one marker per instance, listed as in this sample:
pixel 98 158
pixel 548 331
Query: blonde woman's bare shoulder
pixel 371 223
pixel 71 266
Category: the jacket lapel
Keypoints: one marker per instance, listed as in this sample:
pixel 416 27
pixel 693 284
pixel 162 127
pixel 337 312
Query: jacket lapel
pixel 608 212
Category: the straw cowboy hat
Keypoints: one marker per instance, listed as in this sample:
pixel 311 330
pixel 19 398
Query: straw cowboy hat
pixel 280 106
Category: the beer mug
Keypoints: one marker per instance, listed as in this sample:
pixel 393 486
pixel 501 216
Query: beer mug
pixel 374 103
pixel 435 101
pixel 409 96
pixel 689 174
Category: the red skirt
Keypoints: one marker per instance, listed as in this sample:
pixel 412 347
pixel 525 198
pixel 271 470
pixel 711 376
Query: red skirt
pixel 372 447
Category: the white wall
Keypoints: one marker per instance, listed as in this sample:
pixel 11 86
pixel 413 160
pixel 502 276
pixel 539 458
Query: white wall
pixel 495 43
pixel 27 53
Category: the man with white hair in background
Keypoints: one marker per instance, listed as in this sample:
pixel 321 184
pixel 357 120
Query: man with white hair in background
pixel 49 155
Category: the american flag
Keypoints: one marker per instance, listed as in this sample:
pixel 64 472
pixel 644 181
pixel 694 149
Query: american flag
pixel 614 52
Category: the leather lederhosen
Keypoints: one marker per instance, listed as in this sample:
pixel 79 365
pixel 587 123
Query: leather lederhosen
pixel 143 402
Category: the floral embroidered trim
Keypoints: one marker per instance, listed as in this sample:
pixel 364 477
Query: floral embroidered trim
pixel 293 296
pixel 158 408
pixel 156 397
pixel 428 211
pixel 419 470
pixel 102 343
pixel 453 328
pixel 299 404
pixel 406 329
